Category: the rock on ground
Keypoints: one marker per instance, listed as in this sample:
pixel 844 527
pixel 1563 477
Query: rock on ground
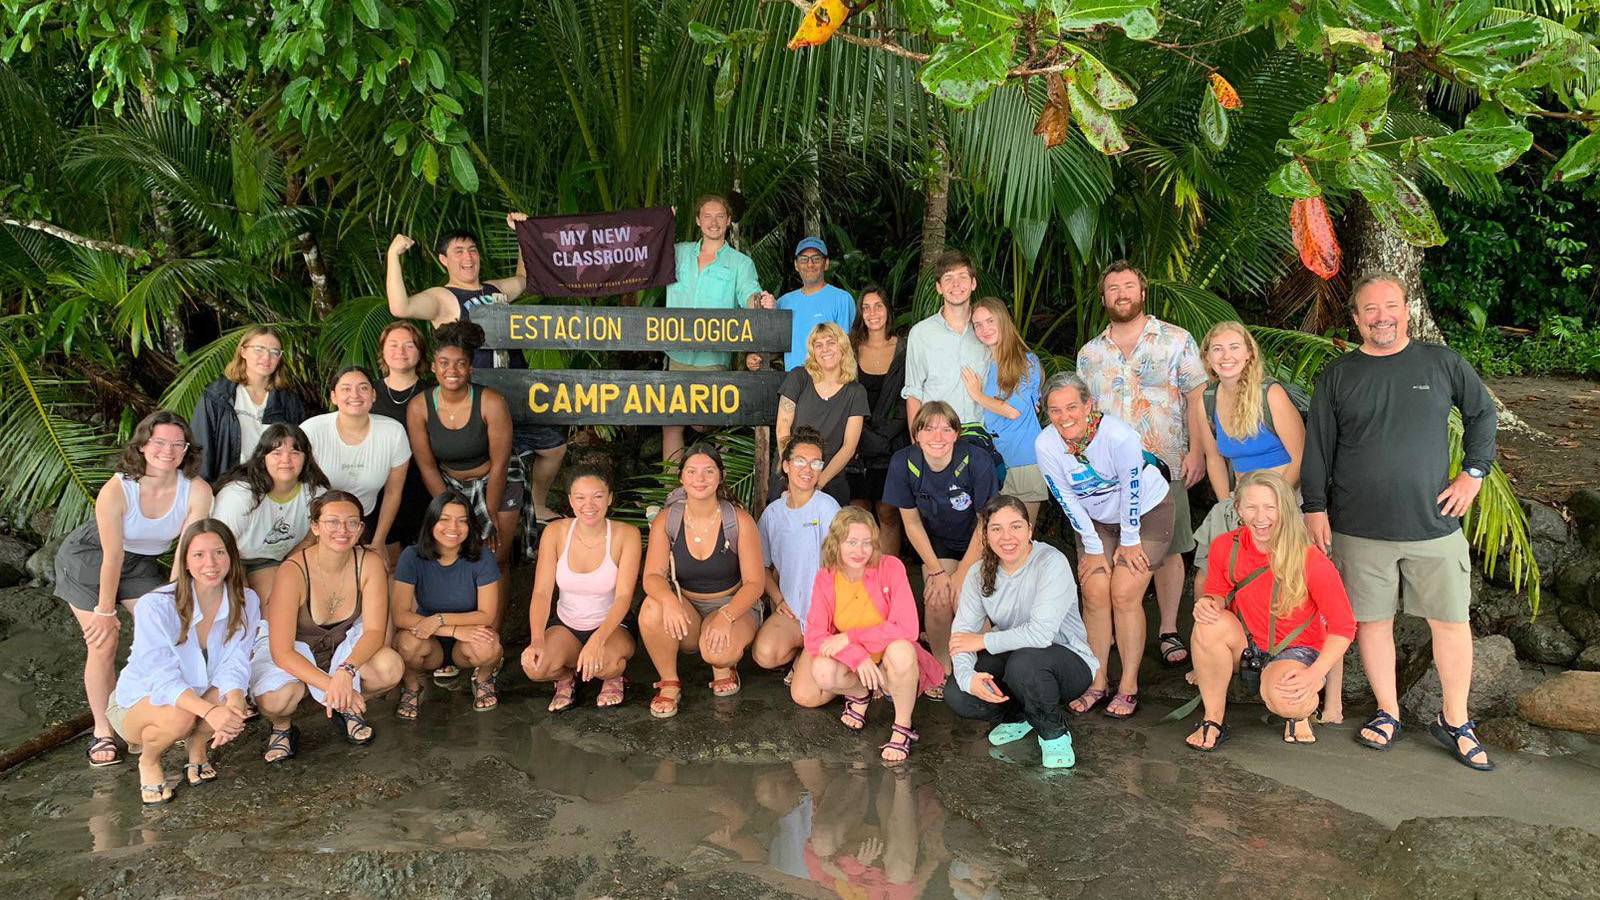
pixel 1544 640
pixel 1511 733
pixel 1588 660
pixel 14 553
pixel 1496 681
pixel 1570 702
pixel 41 566
pixel 1413 647
pixel 1485 856
pixel 1582 622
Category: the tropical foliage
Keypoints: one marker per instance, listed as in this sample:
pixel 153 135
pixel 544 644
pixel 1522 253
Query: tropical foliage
pixel 171 172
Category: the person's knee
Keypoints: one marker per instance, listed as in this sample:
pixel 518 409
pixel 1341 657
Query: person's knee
pixel 650 614
pixel 1097 593
pixel 382 671
pixel 1213 636
pixel 283 701
pixel 771 651
pixel 480 653
pixel 726 658
pixel 808 696
pixel 900 658
pixel 167 724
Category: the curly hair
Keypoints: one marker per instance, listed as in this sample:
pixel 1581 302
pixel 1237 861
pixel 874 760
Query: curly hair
pixel 989 568
pixel 460 334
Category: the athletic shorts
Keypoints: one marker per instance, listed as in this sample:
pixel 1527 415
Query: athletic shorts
pixel 1182 528
pixel 1432 577
pixel 78 570
pixel 1155 534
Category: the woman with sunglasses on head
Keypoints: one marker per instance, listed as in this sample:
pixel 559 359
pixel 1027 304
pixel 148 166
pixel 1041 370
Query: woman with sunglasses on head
pixel 138 516
pixel 252 393
pixel 403 363
pixel 445 603
pixel 189 667
pixel 266 503
pixel 589 565
pixel 327 628
pixel 363 454
pixel 792 529
pixel 709 604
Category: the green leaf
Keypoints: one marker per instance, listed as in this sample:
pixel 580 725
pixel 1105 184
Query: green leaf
pixel 1099 127
pixel 1579 161
pixel 937 17
pixel 1293 180
pixel 727 80
pixel 435 68
pixel 961 73
pixel 396 131
pixel 1370 41
pixel 1486 54
pixel 1486 150
pixel 191 109
pixel 443 12
pixel 367 12
pixel 1395 201
pixel 462 171
pixel 1213 121
pixel 701 33
pixel 430 163
pixel 448 103
pixel 1459 15
pixel 1136 18
pixel 1107 89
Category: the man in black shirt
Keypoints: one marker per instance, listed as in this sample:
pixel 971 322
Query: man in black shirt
pixel 1379 498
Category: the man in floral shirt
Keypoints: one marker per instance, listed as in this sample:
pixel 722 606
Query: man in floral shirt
pixel 1148 374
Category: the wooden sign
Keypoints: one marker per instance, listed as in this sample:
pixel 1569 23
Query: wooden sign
pixel 603 397
pixel 509 327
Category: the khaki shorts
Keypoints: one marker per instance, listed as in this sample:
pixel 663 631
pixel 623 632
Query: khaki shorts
pixel 1155 534
pixel 118 717
pixel 1434 576
pixel 1182 528
pixel 1219 521
pixel 1026 484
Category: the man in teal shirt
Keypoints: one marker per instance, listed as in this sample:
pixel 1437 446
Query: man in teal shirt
pixel 711 275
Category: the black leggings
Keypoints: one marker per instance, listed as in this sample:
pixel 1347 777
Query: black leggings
pixel 1035 679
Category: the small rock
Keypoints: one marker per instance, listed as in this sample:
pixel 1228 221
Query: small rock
pixel 1569 702
pixel 1496 681
pixel 1544 640
pixel 1511 733
pixel 1583 622
pixel 42 521
pixel 1545 523
pixel 1589 659
pixel 1497 609
pixel 1484 856
pixel 41 566
pixel 1584 505
pixel 14 553
pixel 1573 579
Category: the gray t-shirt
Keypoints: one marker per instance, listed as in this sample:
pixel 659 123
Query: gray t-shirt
pixel 791 542
pixel 828 416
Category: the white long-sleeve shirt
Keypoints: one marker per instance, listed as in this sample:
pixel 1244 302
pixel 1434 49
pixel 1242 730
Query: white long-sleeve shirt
pixel 1035 606
pixel 1111 483
pixel 162 669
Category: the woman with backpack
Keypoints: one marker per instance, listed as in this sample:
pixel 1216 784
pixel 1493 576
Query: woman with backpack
pixel 1273 609
pixel 703 579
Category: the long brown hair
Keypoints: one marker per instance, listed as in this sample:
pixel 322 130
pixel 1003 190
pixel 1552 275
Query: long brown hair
pixel 989 568
pixel 840 529
pixel 1010 353
pixel 1248 413
pixel 233 582
pixel 416 338
pixel 234 371
pixel 1290 541
pixel 131 463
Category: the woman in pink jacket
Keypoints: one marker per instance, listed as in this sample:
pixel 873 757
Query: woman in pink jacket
pixel 861 632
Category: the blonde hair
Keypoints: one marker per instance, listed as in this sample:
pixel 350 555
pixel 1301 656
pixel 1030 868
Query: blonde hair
pixel 840 529
pixel 1290 544
pixel 1010 353
pixel 1249 412
pixel 847 354
pixel 234 371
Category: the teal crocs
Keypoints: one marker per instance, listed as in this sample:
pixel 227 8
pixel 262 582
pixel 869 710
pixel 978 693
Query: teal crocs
pixel 1057 753
pixel 1006 732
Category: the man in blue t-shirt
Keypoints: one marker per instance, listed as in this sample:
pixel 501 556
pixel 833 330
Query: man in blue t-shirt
pixel 815 301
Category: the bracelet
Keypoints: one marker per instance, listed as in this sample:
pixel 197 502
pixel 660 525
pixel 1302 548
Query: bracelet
pixel 346 667
pixel 109 615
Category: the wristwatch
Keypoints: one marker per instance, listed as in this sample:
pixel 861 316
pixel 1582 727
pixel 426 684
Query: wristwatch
pixel 1475 472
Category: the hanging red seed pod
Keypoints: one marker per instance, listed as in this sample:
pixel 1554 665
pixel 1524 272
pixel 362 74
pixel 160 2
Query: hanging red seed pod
pixel 1314 237
pixel 1224 92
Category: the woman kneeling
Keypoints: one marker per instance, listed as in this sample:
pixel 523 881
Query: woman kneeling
pixel 190 664
pixel 861 633
pixel 1273 605
pixel 445 602
pixel 326 627
pixel 586 637
pixel 1036 654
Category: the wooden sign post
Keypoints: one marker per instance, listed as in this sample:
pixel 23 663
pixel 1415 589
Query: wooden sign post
pixel 609 397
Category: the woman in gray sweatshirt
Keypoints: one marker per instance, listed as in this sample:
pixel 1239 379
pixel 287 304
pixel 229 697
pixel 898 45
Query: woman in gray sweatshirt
pixel 1036 654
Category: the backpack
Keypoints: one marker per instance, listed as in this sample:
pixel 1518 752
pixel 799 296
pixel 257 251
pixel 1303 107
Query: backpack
pixel 979 437
pixel 673 508
pixel 1297 396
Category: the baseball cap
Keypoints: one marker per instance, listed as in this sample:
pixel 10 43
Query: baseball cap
pixel 811 243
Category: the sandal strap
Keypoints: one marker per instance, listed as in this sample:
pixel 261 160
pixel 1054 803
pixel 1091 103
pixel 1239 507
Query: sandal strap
pixel 668 683
pixel 1467 730
pixel 906 730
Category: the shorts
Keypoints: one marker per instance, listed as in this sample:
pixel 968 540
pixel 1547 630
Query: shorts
pixel 1222 519
pixel 414 500
pixel 78 570
pixel 534 438
pixel 707 607
pixel 266 677
pixel 1304 655
pixel 1155 534
pixel 1182 526
pixel 252 566
pixel 583 636
pixel 945 550
pixel 118 716
pixel 477 491
pixel 1434 576
pixel 1026 484
pixel 867 484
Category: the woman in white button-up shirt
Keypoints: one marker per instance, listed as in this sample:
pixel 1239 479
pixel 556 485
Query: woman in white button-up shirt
pixel 190 663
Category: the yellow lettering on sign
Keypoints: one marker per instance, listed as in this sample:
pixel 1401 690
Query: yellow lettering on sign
pixel 652 329
pixel 729 399
pixel 655 398
pixel 698 395
pixel 746 335
pixel 588 398
pixel 563 400
pixel 679 404
pixel 516 328
pixel 632 406
pixel 534 403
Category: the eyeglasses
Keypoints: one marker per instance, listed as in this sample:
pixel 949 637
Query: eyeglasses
pixel 260 350
pixel 342 524
pixel 164 444
pixel 816 464
pixel 811 258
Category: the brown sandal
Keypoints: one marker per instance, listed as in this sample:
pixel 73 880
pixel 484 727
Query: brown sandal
pixel 565 688
pixel 725 687
pixel 610 692
pixel 662 706
pixel 409 703
pixel 484 695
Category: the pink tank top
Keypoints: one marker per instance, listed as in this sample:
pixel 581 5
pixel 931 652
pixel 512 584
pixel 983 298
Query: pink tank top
pixel 584 598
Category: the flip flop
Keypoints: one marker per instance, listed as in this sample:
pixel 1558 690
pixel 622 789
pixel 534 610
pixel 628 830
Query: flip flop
pixel 199 773
pixel 155 794
pixel 1290 726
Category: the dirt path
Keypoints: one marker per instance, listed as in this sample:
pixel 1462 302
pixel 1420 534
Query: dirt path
pixel 1567 410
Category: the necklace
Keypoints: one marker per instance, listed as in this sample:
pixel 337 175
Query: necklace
pixel 334 597
pixel 578 533
pixel 438 404
pixel 692 526
pixel 405 393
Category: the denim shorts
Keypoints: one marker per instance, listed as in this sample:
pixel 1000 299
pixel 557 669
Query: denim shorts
pixel 1304 655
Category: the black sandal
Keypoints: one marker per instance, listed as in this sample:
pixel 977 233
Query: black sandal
pixel 99 744
pixel 1451 737
pixel 1172 643
pixel 1376 725
pixel 347 723
pixel 286 741
pixel 1221 738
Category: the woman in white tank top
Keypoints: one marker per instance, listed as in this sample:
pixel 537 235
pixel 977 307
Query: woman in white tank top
pixel 138 516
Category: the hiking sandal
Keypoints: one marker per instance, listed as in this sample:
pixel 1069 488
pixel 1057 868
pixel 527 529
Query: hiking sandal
pixel 610 692
pixel 900 740
pixel 725 687
pixel 566 688
pixel 348 724
pixel 199 773
pixel 1088 700
pixel 1291 728
pixel 854 716
pixel 1376 724
pixel 1218 741
pixel 485 695
pixel 1451 739
pixel 662 706
pixel 102 744
pixel 1131 701
pixel 286 742
pixel 409 704
pixel 1171 645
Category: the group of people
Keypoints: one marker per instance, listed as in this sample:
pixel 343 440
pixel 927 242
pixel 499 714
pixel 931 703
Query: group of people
pixel 355 553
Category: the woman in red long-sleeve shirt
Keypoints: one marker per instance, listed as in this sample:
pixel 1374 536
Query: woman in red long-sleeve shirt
pixel 861 631
pixel 1268 592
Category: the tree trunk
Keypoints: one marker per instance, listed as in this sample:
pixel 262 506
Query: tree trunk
pixel 936 193
pixel 322 301
pixel 812 188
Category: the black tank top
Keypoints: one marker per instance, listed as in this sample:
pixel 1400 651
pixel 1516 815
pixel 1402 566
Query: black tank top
pixel 458 449
pixel 717 574
pixel 484 295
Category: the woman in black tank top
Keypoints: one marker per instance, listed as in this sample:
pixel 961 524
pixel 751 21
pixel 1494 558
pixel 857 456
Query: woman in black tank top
pixel 326 630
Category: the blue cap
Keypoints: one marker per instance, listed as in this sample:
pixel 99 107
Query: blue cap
pixel 811 243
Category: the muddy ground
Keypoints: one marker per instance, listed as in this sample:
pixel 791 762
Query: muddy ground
pixel 1567 455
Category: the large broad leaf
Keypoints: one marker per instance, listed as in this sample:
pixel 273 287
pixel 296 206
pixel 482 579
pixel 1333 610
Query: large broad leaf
pixel 1293 180
pixel 1136 18
pixel 1099 127
pixel 1213 121
pixel 819 24
pixel 938 17
pixel 1457 17
pixel 1107 89
pixel 462 170
pixel 961 73
pixel 1579 161
pixel 1312 230
pixel 1359 98
pixel 1395 201
pixel 1487 53
pixel 1486 150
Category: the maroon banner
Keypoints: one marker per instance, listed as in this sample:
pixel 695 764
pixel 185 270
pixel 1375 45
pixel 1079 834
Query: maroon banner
pixel 598 254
